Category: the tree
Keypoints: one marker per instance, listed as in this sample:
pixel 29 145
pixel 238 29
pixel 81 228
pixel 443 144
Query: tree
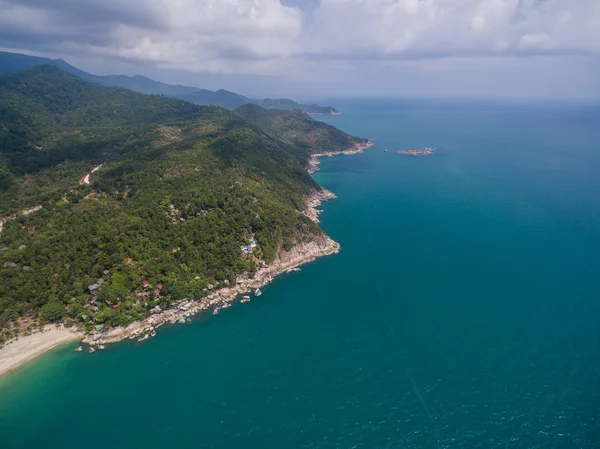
pixel 52 312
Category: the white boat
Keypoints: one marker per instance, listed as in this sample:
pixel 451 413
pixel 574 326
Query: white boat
pixel 245 299
pixel 92 350
pixel 79 349
pixel 226 305
pixel 101 347
pixel 216 311
pixel 257 292
pixel 153 334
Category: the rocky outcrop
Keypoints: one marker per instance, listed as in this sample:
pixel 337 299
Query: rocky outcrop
pixel 313 163
pixel 315 200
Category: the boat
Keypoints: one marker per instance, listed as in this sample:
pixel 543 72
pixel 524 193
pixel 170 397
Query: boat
pixel 385 151
pixel 79 349
pixel 101 347
pixel 187 320
pixel 225 306
pixel 92 350
pixel 153 333
pixel 257 292
pixel 245 299
pixel 216 311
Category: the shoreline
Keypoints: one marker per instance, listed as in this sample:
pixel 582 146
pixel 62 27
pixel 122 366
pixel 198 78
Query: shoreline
pixel 25 348
pixel 313 162
pixel 288 261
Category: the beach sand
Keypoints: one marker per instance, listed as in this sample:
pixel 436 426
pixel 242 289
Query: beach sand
pixel 27 347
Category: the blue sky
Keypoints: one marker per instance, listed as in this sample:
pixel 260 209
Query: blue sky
pixel 325 48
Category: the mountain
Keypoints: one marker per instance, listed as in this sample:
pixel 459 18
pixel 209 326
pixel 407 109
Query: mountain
pixel 12 62
pixel 102 188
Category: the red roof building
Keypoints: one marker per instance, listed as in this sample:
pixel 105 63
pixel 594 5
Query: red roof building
pixel 159 286
pixel 145 283
pixel 156 291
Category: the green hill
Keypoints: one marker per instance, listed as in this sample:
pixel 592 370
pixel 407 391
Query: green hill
pixel 297 132
pixel 179 189
pixel 222 97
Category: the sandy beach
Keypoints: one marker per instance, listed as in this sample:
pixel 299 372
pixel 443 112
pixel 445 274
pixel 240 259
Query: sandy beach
pixel 27 347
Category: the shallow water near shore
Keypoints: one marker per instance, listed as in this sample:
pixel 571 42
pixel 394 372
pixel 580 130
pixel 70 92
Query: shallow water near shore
pixel 463 310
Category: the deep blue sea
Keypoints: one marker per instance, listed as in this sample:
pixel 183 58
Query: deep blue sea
pixel 462 312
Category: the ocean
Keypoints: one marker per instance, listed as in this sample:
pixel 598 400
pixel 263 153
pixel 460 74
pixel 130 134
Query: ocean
pixel 462 312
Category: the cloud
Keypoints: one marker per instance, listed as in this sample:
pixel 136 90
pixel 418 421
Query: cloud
pixel 271 37
pixel 195 34
pixel 449 28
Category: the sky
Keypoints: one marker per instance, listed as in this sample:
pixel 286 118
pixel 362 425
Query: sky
pixel 311 49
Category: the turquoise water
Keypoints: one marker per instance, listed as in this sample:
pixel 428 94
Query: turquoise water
pixel 462 312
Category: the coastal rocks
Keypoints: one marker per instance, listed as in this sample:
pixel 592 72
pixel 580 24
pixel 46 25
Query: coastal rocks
pixel 303 253
pixel 427 151
pixel 313 163
pixel 315 200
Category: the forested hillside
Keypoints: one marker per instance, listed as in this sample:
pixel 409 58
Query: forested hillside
pixel 106 187
pixel 296 131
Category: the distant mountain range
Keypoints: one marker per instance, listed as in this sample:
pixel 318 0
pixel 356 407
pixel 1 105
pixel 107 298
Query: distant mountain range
pixel 12 62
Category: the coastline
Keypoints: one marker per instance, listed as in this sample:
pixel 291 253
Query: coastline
pixel 25 348
pixel 299 255
pixel 313 163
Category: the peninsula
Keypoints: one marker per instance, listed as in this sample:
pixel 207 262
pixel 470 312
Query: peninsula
pixel 427 151
pixel 122 211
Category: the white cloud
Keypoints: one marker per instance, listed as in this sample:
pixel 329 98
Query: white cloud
pixel 268 37
pixel 425 28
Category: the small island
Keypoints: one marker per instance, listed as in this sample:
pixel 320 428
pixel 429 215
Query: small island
pixel 427 151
